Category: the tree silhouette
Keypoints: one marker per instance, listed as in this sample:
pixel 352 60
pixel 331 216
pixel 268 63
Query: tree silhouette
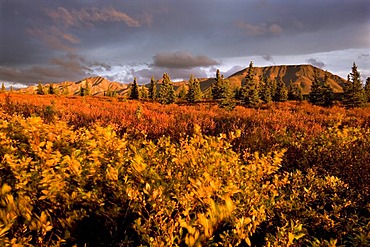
pixel 194 93
pixel 367 89
pixel 134 90
pixel 153 89
pixel 166 91
pixel 40 89
pixel 354 94
pixel 281 93
pixel 250 90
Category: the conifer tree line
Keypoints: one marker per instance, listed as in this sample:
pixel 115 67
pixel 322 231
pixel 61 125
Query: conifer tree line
pixel 253 92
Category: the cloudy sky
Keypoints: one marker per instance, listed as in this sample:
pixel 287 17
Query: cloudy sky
pixel 58 40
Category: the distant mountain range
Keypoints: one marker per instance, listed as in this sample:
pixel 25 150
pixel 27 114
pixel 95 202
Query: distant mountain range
pixel 302 75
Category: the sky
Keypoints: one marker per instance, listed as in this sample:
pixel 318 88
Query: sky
pixel 68 40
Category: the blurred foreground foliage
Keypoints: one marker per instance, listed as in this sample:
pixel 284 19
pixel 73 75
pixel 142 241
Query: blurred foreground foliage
pixel 91 187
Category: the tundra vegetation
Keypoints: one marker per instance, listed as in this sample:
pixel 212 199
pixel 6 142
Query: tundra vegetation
pixel 108 171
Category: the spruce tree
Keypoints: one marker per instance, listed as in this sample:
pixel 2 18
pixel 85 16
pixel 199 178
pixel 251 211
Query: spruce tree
pixel 295 92
pixel 51 89
pixel 134 90
pixel 194 92
pixel 143 93
pixel 367 89
pixel 250 94
pixel 281 93
pixel 153 89
pixel 3 90
pixel 272 85
pixel 166 91
pixel 219 87
pixel 265 90
pixel 40 89
pixel 250 90
pixel 216 86
pixel 182 94
pixel 354 94
pixel 82 91
pixel 227 97
pixel 328 92
pixel 316 93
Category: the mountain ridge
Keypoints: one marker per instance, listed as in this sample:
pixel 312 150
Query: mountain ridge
pixel 302 75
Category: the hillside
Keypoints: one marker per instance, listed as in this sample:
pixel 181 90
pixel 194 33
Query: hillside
pixel 302 75
pixel 98 86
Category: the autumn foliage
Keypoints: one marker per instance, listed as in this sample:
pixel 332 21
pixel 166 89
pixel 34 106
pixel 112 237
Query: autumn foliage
pixel 100 171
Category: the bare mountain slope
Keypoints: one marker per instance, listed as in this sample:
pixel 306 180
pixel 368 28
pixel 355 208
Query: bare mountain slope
pixel 297 74
pixel 98 86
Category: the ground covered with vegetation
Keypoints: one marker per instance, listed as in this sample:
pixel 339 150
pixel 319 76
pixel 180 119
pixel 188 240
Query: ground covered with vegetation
pixel 101 172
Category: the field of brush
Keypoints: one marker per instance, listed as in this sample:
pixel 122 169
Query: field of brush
pixel 98 171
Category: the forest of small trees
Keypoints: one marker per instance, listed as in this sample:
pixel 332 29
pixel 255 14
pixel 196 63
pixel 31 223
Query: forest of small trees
pixel 254 91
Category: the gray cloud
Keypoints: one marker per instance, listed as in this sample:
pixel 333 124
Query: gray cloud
pixel 182 60
pixel 363 56
pixel 70 67
pixel 55 38
pixel 106 33
pixel 260 29
pixel 268 58
pixel 316 63
pixel 88 16
pixel 144 75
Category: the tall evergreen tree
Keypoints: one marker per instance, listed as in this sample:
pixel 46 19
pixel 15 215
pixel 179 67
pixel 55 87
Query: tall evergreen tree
pixel 367 89
pixel 250 73
pixel 321 93
pixel 143 93
pixel 227 97
pixel 166 91
pixel 134 90
pixel 82 91
pixel 219 87
pixel 153 89
pixel 194 93
pixel 281 93
pixel 328 92
pixel 294 92
pixel 272 85
pixel 250 90
pixel 51 89
pixel 3 90
pixel 354 94
pixel 265 93
pixel 315 96
pixel 182 93
pixel 40 89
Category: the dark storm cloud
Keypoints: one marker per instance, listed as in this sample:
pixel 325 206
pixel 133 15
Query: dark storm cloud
pixel 37 34
pixel 182 60
pixel 316 63
pixel 70 67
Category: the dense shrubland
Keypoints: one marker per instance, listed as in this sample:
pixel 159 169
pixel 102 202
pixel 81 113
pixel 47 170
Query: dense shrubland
pixel 98 171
